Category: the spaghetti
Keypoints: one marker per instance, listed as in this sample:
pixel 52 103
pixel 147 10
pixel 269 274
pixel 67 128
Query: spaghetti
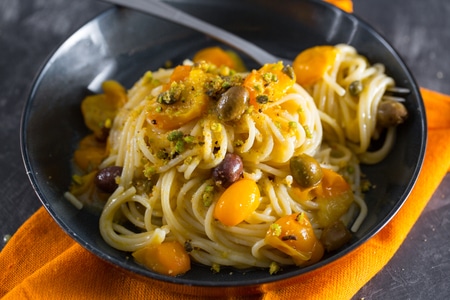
pixel 177 129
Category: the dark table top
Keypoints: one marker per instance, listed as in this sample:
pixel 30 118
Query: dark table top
pixel 420 31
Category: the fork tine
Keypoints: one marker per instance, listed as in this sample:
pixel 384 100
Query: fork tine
pixel 396 93
pixel 398 90
pixel 393 98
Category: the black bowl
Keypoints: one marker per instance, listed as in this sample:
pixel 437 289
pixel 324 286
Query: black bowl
pixel 122 44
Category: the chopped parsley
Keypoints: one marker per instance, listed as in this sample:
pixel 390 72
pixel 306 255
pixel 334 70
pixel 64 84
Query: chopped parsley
pixel 77 179
pixel 276 228
pixel 307 131
pixel 270 77
pixel 149 171
pixel 172 95
pixel 215 268
pixel 208 195
pixel 216 127
pixel 274 268
pixel 300 217
pixel 175 135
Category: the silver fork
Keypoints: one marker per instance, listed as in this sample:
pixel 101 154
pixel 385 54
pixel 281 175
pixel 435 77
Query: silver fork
pixel 165 11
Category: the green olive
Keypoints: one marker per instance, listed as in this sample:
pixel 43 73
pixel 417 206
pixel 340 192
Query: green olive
pixel 306 170
pixel 233 103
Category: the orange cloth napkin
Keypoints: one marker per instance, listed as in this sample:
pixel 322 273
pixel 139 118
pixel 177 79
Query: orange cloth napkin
pixel 42 262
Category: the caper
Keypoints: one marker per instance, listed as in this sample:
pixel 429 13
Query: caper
pixel 306 170
pixel 166 98
pixel 233 103
pixel 218 85
pixel 391 113
pixel 289 71
pixel 262 99
pixel 172 95
pixel 355 88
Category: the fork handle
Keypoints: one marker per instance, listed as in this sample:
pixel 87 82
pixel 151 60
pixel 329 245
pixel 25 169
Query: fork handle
pixel 170 13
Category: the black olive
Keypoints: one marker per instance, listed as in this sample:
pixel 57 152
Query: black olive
pixel 391 113
pixel 306 170
pixel 233 103
pixel 228 171
pixel 335 236
pixel 105 179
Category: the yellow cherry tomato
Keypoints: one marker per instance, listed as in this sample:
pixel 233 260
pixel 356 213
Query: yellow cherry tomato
pixel 237 202
pixel 294 235
pixel 310 65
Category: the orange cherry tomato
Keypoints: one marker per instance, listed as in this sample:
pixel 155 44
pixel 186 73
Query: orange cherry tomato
pixel 237 202
pixel 332 184
pixel 294 235
pixel 333 196
pixel 219 57
pixel 268 84
pixel 168 258
pixel 180 73
pixel 192 104
pixel 310 65
pixel 90 153
pixel 101 109
pixel 215 56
